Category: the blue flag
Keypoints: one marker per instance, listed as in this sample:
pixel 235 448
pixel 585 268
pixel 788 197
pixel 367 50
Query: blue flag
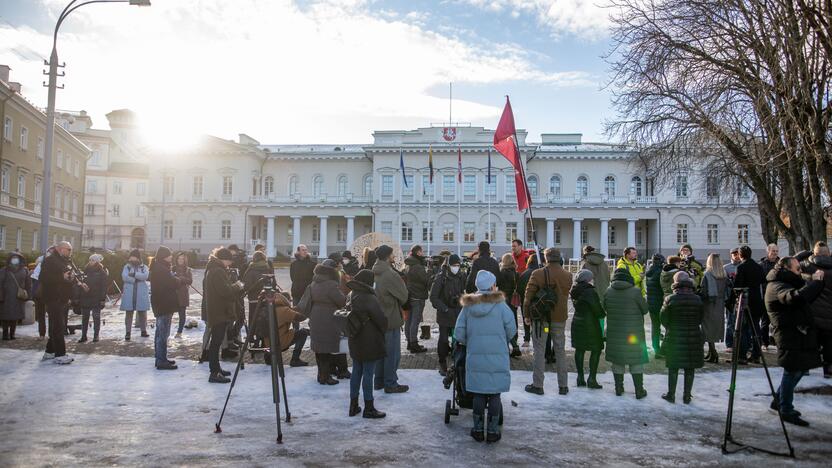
pixel 488 177
pixel 401 165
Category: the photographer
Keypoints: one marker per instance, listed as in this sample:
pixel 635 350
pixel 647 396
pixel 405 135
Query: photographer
pixel 164 299
pixel 692 266
pixel 135 297
pixel 92 301
pixel 57 281
pixel 787 299
pixel 221 296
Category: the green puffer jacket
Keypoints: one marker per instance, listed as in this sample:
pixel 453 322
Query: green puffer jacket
pixel 391 292
pixel 625 308
pixel 666 278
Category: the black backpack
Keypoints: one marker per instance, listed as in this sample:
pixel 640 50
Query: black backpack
pixel 544 301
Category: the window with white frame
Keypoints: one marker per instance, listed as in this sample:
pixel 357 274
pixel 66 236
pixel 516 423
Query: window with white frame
pixel 316 233
pixel 18 239
pixel 713 234
pixel 427 231
pixel 168 229
pixel 639 236
pixel 92 186
pixel 448 232
pixel 555 185
pixel 407 231
pixel 387 186
pixel 4 180
pixel 368 185
pixel 490 232
pixel 89 234
pixel 24 138
pixel 255 186
pixel 75 203
pixel 225 229
pixel 38 193
pixel 59 159
pixel 21 186
pixel 387 228
pixel 491 189
pixel 611 240
pixel 7 129
pixel 139 211
pixel 532 181
pixel 584 234
pixel 742 233
pixel 343 186
pixel 407 189
pixel 68 164
pixel 469 232
pixel 117 188
pixel 609 186
pixel 743 192
pixel 95 158
pixel 582 186
pixel 681 186
pixel 511 189
pixel 712 187
pixel 89 209
pixel 35 241
pixel 293 185
pixel 167 186
pixel 116 210
pixel 469 187
pixel 227 185
pixel 448 187
pixel 557 233
pixel 317 185
pixel 40 149
pixel 2 237
pixel 268 185
pixel 511 232
pixel 196 230
pixel 141 189
pixel 340 233
pixel 682 233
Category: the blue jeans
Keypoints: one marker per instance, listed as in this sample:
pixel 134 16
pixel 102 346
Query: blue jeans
pixel 411 328
pixel 161 339
pixel 786 390
pixel 362 376
pixel 386 368
pixel 182 318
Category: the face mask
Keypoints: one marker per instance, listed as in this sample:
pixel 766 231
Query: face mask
pixel 454 269
pixel 345 260
pixel 15 261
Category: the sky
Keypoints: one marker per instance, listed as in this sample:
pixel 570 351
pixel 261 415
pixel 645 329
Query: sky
pixel 319 71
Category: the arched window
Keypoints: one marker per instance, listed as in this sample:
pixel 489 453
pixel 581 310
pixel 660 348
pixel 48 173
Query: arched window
pixel 609 186
pixel 342 186
pixel 532 181
pixel 268 185
pixel 293 184
pixel 368 185
pixel 582 187
pixel 317 185
pixel 636 187
pixel 554 185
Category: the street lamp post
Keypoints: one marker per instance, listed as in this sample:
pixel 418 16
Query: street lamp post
pixel 46 198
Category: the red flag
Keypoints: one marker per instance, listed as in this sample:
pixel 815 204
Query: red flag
pixel 459 164
pixel 505 144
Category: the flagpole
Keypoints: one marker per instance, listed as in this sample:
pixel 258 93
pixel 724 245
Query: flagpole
pixel 528 198
pixel 401 193
pixel 459 201
pixel 488 196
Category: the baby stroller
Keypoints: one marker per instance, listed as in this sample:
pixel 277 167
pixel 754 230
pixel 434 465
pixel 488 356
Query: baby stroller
pixel 456 380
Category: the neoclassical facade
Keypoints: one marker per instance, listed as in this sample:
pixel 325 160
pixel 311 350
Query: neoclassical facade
pixel 325 196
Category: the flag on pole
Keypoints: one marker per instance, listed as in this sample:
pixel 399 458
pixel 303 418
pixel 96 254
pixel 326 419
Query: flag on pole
pixel 401 165
pixel 459 164
pixel 488 176
pixel 430 163
pixel 505 143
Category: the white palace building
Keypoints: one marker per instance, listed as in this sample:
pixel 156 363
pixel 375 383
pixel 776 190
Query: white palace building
pixel 221 192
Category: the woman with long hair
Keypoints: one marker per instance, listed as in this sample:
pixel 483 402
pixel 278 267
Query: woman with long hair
pixel 712 291
pixel 507 284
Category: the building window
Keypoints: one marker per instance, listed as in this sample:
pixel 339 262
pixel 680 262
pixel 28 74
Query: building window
pixel 713 234
pixel 387 228
pixel 227 185
pixel 639 236
pixel 168 229
pixel 582 187
pixel 7 129
pixel 407 231
pixel 407 189
pixel 368 185
pixel 342 186
pixel 199 183
pixel 712 187
pixel 76 169
pixel 225 229
pixel 387 186
pixel 196 230
pixel 95 158
pixel 427 231
pixel 681 233
pixel 41 150
pixel 557 233
pixel 116 188
pixel 293 185
pixel 18 240
pixel 609 186
pixel 469 232
pixel 92 186
pixel 448 187
pixel 469 187
pixel 4 180
pixel 316 233
pixel 21 186
pixel 3 237
pixel 584 235
pixel 490 231
pixel 139 211
pixel 59 159
pixel 681 186
pixel 554 185
pixel 448 232
pixel 511 232
pixel 116 210
pixel 35 240
pixel 427 189
pixel 268 186
pixel 141 189
pixel 167 186
pixel 511 189
pixel 491 189
pixel 742 191
pixel 742 233
pixel 38 193
pixel 532 181
pixel 317 186
pixel 24 138
pixel 340 233
pixel 89 234
pixel 89 209
pixel 611 235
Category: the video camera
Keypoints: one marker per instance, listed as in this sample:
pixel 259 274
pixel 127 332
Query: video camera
pixel 77 275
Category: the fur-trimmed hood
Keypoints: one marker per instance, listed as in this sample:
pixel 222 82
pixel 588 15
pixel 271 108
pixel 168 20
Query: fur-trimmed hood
pixel 325 273
pixel 491 297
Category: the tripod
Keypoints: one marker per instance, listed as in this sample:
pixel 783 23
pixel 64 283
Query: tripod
pixel 266 301
pixel 743 315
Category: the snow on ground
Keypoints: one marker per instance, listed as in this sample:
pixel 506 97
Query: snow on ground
pixel 108 410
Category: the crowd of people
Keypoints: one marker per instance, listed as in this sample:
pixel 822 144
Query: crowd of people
pixel 359 307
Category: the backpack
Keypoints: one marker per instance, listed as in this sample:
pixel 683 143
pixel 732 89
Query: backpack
pixel 544 300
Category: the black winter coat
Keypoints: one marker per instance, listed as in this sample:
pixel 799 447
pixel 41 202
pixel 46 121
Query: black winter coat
pixel 368 345
pixel 55 289
pixel 417 278
pixel 507 282
pixel 681 316
pixel 447 290
pixel 750 275
pixel 219 294
pixel 164 295
pixel 301 272
pixel 483 262
pixel 352 268
pixel 325 328
pixel 12 308
pixel 253 278
pixel 822 307
pixel 522 282
pixel 98 279
pixel 788 299
pixel 586 323
pixel 655 294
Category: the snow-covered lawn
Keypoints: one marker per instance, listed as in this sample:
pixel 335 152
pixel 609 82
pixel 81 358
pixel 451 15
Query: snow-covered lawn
pixel 109 410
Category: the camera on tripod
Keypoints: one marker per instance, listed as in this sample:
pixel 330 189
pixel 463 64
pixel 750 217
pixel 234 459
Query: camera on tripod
pixel 76 274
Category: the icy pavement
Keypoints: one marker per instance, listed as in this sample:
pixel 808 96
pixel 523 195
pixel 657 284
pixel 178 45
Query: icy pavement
pixel 109 410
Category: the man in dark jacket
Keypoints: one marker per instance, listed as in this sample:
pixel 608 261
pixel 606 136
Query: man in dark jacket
pixel 221 297
pixel 165 302
pixel 750 275
pixel 767 263
pixel 447 289
pixel 392 295
pixel 788 298
pixel 57 282
pixel 485 262
pixel 418 283
pixel 655 298
pixel 93 300
pixel 301 272
pixel 822 307
pixel 350 263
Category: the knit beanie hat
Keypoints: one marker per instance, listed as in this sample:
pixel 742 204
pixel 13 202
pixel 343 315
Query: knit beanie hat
pixel 658 258
pixel 135 253
pixel 584 276
pixel 622 274
pixel 383 252
pixel 485 280
pixel 681 276
pixel 223 254
pixel 163 252
pixel 330 263
pixel 453 259
pixel 96 258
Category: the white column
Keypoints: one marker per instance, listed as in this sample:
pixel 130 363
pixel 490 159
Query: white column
pixel 605 237
pixel 295 233
pixel 322 253
pixel 631 232
pixel 270 236
pixel 550 232
pixel 576 237
pixel 350 231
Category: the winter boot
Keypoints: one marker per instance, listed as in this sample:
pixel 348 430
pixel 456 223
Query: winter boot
pixel 425 332
pixel 83 338
pixel 324 373
pixel 638 381
pixel 370 411
pixel 579 365
pixel 443 367
pixel 217 377
pixel 478 431
pixel 686 396
pixel 204 356
pixel 341 369
pixel 827 371
pixel 127 337
pixel 672 378
pixel 95 338
pixel 515 352
pixel 593 371
pixel 619 384
pixel 354 408
pixel 493 432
